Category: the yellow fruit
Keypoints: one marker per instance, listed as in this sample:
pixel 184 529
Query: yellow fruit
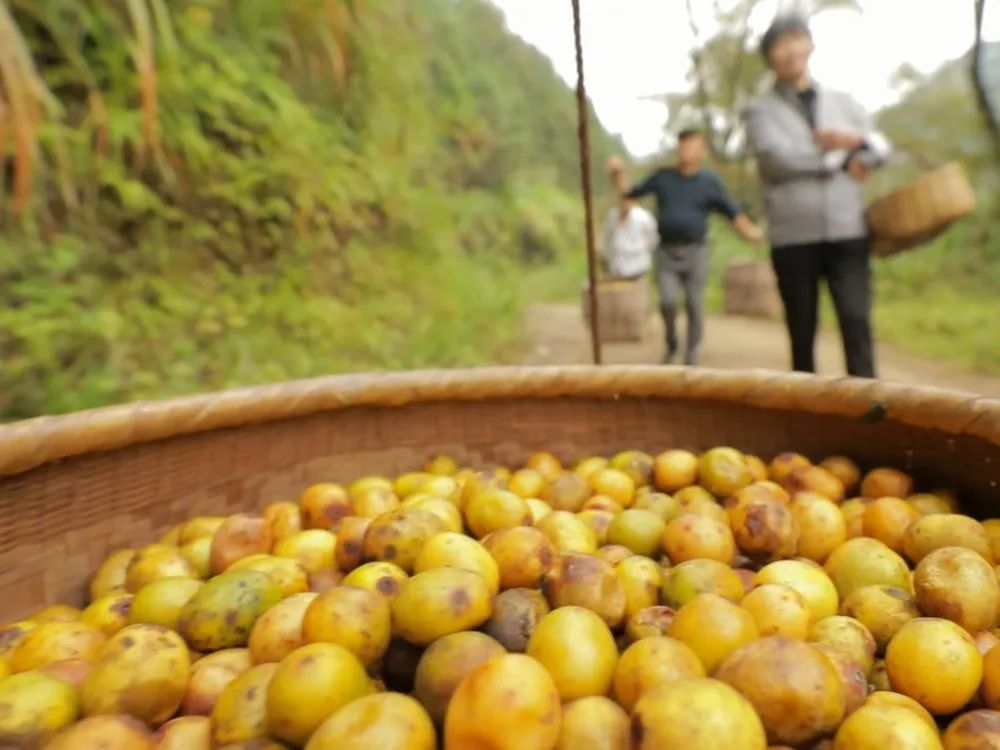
pixel 283 519
pixel 946 530
pixel 458 551
pixel 142 671
pixel 674 470
pixel 526 483
pixel 324 505
pixel 852 676
pixel 384 720
pixel 664 507
pixel 637 465
pixel 822 527
pixel 936 663
pixel 595 723
pixel 778 610
pixel 478 483
pixel 514 687
pixel 713 628
pixel 764 531
pixel 445 664
pixel 928 504
pixel 959 585
pixel 784 464
pixel 109 614
pixel 33 707
pixel 649 623
pixel 539 509
pixel 890 698
pixel 973 731
pixel 568 492
pixel 110 576
pixel 989 690
pixel 814 479
pixel 691 536
pixel 516 614
pixel 57 613
pixel 866 562
pixel 199 527
pixel 185 733
pixel 160 602
pixel 278 631
pixel 441 466
pixel 384 578
pixel 408 483
pixel 106 733
pixel 796 690
pixel 844 469
pixel 198 552
pixel 650 663
pixel 309 685
pixel 598 521
pixel 684 582
pixel 153 562
pixel 313 549
pixel 496 509
pixel 545 464
pixel 887 519
pixel 398 537
pixel 640 578
pixel 877 727
pixel 613 553
pixel 522 555
pixel 722 471
pixel 240 713
pixel 853 511
pixel 11 635
pixel 587 466
pixel 696 713
pixel 210 676
pixel 56 641
pixel 440 601
pixel 568 533
pixel 885 482
pixel 810 580
pixel 883 610
pixel 586 581
pixel 446 510
pixel 223 611
pixel 239 536
pixel 639 530
pixel 699 501
pixel 577 649
pixel 849 635
pixel 613 483
pixel 357 619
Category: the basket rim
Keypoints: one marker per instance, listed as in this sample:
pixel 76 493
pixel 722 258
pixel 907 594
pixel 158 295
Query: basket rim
pixel 31 443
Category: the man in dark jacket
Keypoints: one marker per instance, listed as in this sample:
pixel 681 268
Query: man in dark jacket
pixel 814 148
pixel 685 195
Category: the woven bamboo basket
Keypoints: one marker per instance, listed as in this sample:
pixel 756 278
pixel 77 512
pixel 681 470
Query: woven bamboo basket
pixel 919 212
pixel 751 289
pixel 622 308
pixel 74 488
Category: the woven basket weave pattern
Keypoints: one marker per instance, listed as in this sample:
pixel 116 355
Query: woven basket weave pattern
pixel 80 486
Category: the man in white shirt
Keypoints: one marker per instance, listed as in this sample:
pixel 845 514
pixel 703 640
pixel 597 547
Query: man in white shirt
pixel 629 238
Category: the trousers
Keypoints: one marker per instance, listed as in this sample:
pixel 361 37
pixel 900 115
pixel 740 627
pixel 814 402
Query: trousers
pixel 846 268
pixel 682 266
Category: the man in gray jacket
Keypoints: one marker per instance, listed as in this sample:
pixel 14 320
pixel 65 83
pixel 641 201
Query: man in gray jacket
pixel 815 147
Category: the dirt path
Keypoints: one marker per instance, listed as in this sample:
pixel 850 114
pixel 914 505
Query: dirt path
pixel 558 336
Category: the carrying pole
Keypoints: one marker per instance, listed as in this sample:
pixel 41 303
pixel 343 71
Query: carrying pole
pixel 583 137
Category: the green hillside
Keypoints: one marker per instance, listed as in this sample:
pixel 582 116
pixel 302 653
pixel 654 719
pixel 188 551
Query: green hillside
pixel 214 193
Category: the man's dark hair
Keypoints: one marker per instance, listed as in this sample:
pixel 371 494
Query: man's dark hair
pixel 783 26
pixel 689 133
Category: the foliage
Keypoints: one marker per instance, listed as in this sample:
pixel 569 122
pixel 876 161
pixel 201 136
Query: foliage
pixel 214 193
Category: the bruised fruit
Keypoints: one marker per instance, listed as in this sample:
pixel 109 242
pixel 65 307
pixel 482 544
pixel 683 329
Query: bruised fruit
pixel 866 562
pixel 105 732
pixel 810 580
pixel 887 520
pixel 844 469
pixel 399 665
pixel 568 492
pixel 111 575
pixel 160 602
pixel 313 549
pixel 385 720
pixel 357 619
pixel 613 553
pixel 458 551
pixel 795 689
pixel 516 614
pixel 109 614
pixel 310 684
pixel 287 573
pixel 586 581
pixel 240 713
pixel 849 635
pixel 883 610
pixel 153 562
pixel 613 483
pixel 522 554
pixel 546 464
pixel 685 581
pixel 975 730
pixel 662 506
pixel 283 519
pixel 33 707
pixel 853 678
pixel 674 470
pixel 946 530
pixel 696 712
pixel 691 536
pixel 640 578
pixel 814 479
pixel 185 733
pixel 936 663
pixel 223 611
pixel 444 665
pixel 398 537
pixel 577 649
pixel 594 722
pixel 877 727
pixel 713 628
pixel 650 663
pixel 324 506
pixel 142 671
pixel 383 578
pixel 598 521
pixel 278 631
pixel 239 536
pixel 56 641
pixel 886 482
pixel 649 623
pixel 639 530
pixel 514 687
pixel 349 551
pixel 765 531
pixel 636 464
pixel 822 527
pixel 778 610
pixel 568 533
pixel 959 585
pixel 210 676
pixel 722 471
pixel 440 601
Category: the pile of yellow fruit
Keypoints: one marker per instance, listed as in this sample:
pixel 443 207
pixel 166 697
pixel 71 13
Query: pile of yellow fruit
pixel 710 602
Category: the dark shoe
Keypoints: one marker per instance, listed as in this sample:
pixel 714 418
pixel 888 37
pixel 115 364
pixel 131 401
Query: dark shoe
pixel 670 357
pixel 691 358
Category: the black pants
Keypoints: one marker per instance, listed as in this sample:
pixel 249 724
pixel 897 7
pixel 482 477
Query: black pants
pixel 845 266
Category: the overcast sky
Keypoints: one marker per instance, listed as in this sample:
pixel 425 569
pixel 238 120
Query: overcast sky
pixel 638 48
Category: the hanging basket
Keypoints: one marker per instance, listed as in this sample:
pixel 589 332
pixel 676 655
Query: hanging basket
pixel 919 212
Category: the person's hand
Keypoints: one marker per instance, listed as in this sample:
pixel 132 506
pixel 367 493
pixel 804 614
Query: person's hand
pixel 615 165
pixel 831 139
pixel 856 168
pixel 754 235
